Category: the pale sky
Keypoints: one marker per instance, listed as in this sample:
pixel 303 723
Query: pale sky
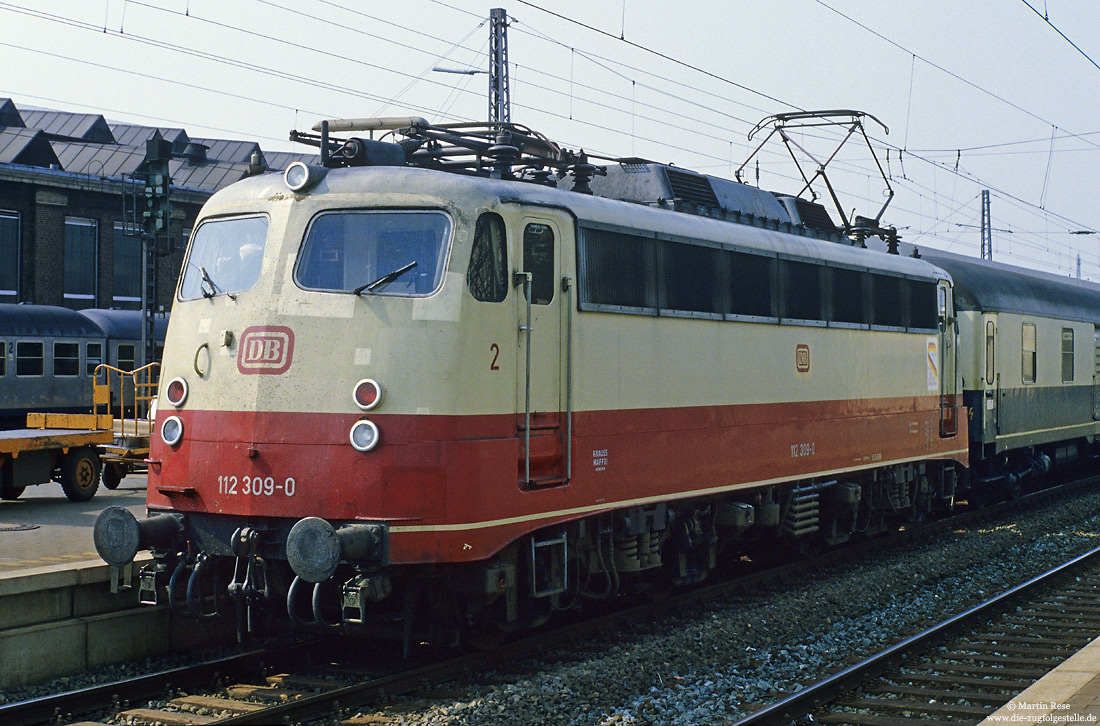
pixel 981 94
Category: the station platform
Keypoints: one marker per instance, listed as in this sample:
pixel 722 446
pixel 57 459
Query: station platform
pixel 1069 694
pixel 43 527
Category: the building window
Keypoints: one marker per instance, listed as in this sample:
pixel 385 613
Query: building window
pixel 487 276
pixel 81 262
pixel 128 263
pixel 1027 365
pixel 66 359
pixel 29 358
pixel 9 253
pixel 1067 355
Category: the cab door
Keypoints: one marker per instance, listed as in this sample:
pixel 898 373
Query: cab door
pixel 948 362
pixel 1096 376
pixel 539 409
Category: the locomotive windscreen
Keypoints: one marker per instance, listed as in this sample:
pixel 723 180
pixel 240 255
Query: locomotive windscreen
pixel 225 257
pixel 375 252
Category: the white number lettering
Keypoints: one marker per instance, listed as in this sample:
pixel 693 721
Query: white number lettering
pixel 256 485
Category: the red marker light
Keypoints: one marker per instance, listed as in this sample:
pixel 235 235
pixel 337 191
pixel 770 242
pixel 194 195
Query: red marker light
pixel 176 393
pixel 367 394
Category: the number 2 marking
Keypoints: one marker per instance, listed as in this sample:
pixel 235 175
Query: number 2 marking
pixel 496 354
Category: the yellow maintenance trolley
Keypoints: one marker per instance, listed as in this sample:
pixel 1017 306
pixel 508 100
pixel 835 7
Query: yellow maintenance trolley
pixel 74 448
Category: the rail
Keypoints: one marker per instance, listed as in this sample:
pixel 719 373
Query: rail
pixel 136 390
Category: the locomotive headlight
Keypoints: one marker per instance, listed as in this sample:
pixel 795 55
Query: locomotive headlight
pixel 301 177
pixel 367 394
pixel 364 435
pixel 176 392
pixel 172 430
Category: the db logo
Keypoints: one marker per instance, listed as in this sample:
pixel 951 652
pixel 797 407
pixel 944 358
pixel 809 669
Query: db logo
pixel 802 358
pixel 265 349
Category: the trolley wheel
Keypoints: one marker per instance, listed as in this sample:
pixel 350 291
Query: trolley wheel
pixel 80 474
pixel 112 475
pixel 10 493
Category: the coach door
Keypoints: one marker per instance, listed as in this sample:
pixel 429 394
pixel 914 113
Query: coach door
pixel 539 418
pixel 990 380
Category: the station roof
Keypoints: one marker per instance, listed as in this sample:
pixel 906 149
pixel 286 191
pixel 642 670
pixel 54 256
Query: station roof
pixel 88 144
pixel 995 287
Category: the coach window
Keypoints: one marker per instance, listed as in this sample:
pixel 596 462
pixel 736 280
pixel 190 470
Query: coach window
pixel 487 276
pixel 29 358
pixel 989 350
pixel 94 356
pixel 538 259
pixel 127 356
pixel 66 359
pixel 1067 355
pixel 3 358
pixel 1027 364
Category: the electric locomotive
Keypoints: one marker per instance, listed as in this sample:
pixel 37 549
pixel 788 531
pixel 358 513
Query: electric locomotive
pixel 466 378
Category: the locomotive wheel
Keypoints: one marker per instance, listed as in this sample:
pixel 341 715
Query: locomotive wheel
pixel 112 475
pixel 80 474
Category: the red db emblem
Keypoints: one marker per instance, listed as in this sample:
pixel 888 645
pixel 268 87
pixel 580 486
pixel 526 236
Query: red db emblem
pixel 265 349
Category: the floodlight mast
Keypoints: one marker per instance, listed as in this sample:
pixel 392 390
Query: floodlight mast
pixel 852 122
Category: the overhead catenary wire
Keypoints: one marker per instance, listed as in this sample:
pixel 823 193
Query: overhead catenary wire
pixel 541 81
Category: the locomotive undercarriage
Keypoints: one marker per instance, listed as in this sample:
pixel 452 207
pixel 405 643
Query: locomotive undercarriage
pixel 641 550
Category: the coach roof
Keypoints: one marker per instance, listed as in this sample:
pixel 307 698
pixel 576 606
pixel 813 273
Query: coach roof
pixel 995 287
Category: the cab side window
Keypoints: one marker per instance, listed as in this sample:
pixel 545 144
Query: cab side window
pixel 487 276
pixel 538 259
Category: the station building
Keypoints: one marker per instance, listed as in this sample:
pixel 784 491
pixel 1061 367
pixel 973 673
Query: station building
pixel 71 191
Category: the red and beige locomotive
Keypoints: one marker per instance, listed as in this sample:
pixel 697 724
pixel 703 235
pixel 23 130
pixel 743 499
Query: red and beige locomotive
pixel 468 378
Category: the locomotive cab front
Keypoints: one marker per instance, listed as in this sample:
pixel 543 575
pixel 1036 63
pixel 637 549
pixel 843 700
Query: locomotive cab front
pixel 339 380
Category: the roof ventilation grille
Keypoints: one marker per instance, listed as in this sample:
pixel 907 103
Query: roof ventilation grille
pixel 691 188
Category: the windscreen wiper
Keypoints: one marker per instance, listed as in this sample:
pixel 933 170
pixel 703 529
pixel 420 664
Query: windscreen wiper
pixel 387 278
pixel 207 280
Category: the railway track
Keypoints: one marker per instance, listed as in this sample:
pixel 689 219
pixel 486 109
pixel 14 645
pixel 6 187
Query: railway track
pixel 258 687
pixel 965 668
